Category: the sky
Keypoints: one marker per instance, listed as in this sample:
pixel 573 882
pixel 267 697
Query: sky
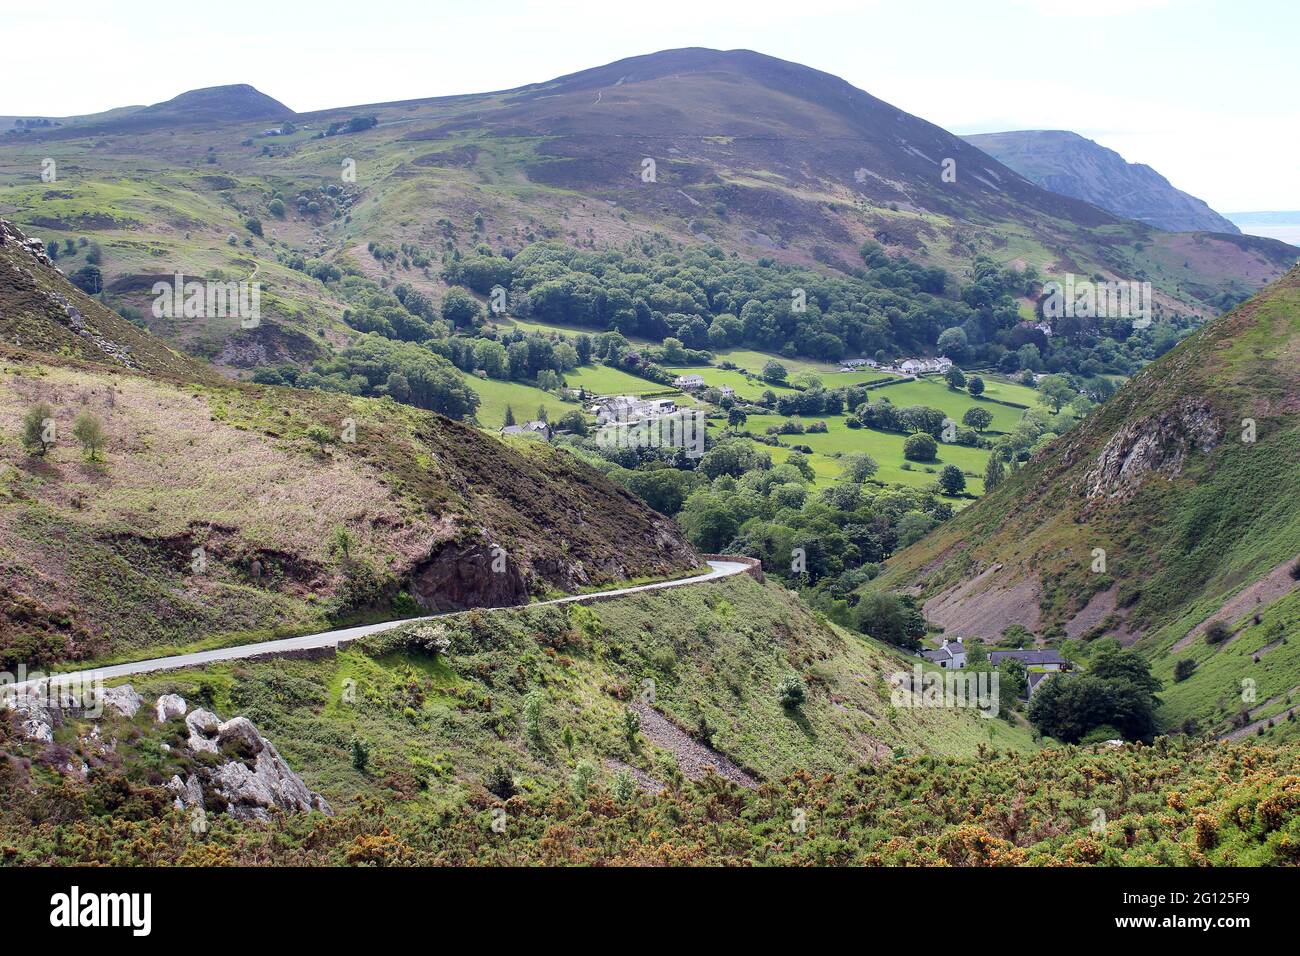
pixel 1204 91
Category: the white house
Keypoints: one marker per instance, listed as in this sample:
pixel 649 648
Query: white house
pixel 688 381
pixel 726 391
pixel 950 655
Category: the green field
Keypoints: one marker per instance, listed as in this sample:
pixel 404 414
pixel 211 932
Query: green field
pixel 524 399
pixel 604 380
pixel 885 447
pixel 746 389
pixel 754 361
pixel 935 393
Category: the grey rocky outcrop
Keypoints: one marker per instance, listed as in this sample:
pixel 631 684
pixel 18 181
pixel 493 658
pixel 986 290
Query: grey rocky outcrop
pixel 169 706
pixel 1158 444
pixel 123 701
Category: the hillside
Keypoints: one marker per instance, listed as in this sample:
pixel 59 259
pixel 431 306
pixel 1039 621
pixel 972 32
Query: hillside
pixel 760 157
pixel 217 511
pixel 1069 164
pixel 1187 481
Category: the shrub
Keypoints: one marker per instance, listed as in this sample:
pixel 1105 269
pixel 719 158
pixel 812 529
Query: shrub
pixel 1217 632
pixel 790 691
pixel 1184 669
pixel 89 430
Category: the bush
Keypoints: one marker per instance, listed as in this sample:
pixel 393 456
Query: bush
pixel 1217 632
pixel 1184 669
pixel 790 691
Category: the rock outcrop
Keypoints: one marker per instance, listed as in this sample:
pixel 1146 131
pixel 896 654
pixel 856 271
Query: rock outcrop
pixel 1158 444
pixel 248 779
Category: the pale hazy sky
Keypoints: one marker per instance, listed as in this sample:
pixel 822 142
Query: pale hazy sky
pixel 1205 91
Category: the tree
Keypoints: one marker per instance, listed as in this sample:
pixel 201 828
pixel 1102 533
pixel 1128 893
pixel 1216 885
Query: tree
pixel 774 372
pixel 89 431
pixel 1056 391
pixel 321 435
pixel 858 468
pixel 956 378
pixel 38 429
pixel 1184 669
pixel 890 618
pixel 920 447
pixel 510 417
pixel 994 473
pixel 953 343
pixel 951 480
pixel 541 413
pixel 736 417
pixel 254 226
pixel 790 691
pixel 360 755
pixel 1216 632
pixel 1013 679
pixel 460 308
pixel 573 422
pixel 977 418
pixel 975 386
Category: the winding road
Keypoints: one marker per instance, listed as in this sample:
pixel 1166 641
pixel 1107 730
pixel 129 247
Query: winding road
pixel 335 639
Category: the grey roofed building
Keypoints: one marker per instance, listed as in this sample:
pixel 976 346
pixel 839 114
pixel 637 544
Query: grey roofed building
pixel 951 655
pixel 1049 658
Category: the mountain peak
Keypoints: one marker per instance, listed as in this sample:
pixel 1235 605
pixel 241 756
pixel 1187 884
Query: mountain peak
pixel 236 101
pixel 1075 166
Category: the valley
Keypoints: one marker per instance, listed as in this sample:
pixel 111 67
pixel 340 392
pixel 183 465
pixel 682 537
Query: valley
pixel 679 462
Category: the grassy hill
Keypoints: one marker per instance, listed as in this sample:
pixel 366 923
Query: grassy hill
pixel 763 157
pixel 218 511
pixel 1187 481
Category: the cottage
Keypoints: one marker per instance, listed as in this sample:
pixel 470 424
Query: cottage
pixel 1040 660
pixel 950 655
pixel 539 428
pixel 726 391
pixel 688 381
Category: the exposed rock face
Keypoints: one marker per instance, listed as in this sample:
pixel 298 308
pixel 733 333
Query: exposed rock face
pixel 247 792
pixel 36 720
pixel 1071 165
pixel 463 574
pixel 169 706
pixel 202 725
pixel 123 701
pixel 1159 444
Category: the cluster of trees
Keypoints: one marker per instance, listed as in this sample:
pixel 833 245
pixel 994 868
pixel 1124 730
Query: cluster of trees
pixel 1116 698
pixel 707 300
pixel 39 432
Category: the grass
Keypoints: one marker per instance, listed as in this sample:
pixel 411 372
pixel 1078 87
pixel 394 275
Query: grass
pixel 747 389
pixel 935 393
pixel 495 395
pixel 885 447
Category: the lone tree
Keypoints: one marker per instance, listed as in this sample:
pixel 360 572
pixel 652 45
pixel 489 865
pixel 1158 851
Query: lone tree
pixel 920 447
pixel 951 480
pixel 975 386
pixel 774 372
pixel 510 416
pixel 89 431
pixel 977 418
pixel 994 472
pixel 1056 391
pixel 38 429
pixel 858 468
pixel 956 378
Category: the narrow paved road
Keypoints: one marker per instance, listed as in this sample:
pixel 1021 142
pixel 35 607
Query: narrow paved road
pixel 719 569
